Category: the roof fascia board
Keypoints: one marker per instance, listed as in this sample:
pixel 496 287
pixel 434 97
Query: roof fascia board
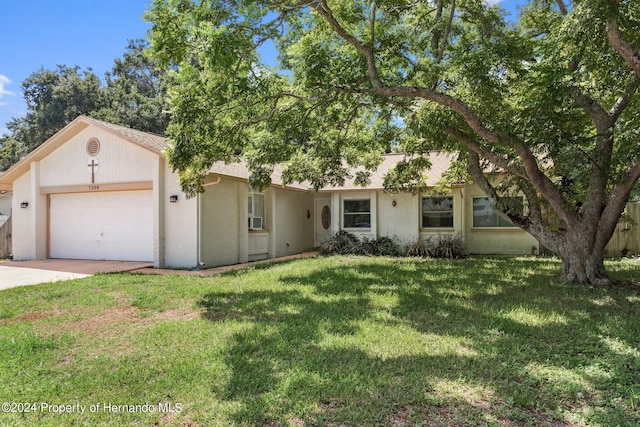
pixel 46 148
pixel 125 137
pixel 245 180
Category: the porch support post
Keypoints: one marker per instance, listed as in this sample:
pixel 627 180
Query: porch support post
pixel 243 223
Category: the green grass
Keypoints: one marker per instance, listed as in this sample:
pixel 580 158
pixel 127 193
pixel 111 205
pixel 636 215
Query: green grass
pixel 328 341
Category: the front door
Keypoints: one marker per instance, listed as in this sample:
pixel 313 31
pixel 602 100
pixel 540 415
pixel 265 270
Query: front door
pixel 323 221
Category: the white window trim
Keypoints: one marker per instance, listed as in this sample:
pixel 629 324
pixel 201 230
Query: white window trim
pixel 452 212
pixel 251 211
pixel 352 199
pixel 497 227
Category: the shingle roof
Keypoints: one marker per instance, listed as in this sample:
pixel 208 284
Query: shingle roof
pixel 156 143
pixel 240 170
pixel 440 162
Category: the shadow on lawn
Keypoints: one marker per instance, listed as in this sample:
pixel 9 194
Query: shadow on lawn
pixel 305 353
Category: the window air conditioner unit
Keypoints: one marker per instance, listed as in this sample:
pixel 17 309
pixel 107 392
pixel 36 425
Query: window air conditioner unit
pixel 256 223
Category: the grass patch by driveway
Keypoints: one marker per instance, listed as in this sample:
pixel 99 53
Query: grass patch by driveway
pixel 326 341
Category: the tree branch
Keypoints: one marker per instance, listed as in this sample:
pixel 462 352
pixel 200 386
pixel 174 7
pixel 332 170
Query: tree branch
pixel 533 172
pixel 624 99
pixel 379 88
pixel 324 11
pixel 435 33
pixel 630 55
pixel 592 108
pixel 274 108
pixel 476 172
pixel 475 146
pixel 562 7
pixel 617 201
pixel 544 184
pixel 447 30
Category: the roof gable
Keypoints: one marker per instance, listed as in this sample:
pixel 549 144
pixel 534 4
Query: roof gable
pixel 148 141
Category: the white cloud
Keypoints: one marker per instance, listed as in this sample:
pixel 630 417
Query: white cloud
pixel 491 2
pixel 4 80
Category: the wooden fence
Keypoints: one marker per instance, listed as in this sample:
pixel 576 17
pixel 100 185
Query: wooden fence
pixel 5 239
pixel 626 238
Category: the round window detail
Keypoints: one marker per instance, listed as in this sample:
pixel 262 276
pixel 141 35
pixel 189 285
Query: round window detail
pixel 326 217
pixel 93 147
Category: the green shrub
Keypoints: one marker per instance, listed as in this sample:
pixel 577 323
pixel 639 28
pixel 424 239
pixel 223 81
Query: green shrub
pixel 344 243
pixel 416 248
pixel 341 243
pixel 447 246
pixel 382 246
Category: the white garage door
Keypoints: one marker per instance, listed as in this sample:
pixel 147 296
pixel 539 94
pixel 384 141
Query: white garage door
pixel 108 225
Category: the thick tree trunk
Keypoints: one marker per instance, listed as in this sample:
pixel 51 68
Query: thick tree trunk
pixel 580 250
pixel 584 265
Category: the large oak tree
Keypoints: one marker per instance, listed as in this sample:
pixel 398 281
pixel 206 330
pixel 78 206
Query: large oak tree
pixel 135 95
pixel 548 102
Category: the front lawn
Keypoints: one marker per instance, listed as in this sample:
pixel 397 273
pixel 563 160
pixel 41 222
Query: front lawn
pixel 326 341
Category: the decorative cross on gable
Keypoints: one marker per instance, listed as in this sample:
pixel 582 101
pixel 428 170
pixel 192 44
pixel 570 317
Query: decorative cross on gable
pixel 93 167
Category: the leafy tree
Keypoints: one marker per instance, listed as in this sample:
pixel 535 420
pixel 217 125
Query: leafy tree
pixel 10 151
pixel 135 95
pixel 54 98
pixel 549 103
pixel 136 91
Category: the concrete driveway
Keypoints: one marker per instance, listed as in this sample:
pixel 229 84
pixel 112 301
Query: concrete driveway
pixel 19 273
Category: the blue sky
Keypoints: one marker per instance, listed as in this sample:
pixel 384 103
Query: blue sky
pixel 87 33
pixel 45 33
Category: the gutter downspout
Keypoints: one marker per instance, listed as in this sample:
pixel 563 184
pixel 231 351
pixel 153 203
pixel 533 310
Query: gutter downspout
pixel 463 225
pixel 200 264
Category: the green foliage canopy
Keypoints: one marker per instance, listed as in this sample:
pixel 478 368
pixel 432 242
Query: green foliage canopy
pixel 135 95
pixel 356 79
pixel 549 102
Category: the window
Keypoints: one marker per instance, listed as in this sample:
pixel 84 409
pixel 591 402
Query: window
pixel 256 211
pixel 485 216
pixel 357 213
pixel 437 212
pixel 326 217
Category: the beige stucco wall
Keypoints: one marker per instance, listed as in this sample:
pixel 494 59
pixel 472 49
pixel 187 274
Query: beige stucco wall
pixel 489 241
pixel 22 233
pixel 220 223
pixel 225 238
pixel 180 225
pixel 293 230
pixel 211 229
pixel 119 160
pixel 401 221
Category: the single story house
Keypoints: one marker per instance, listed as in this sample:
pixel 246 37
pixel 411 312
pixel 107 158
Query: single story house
pixel 96 190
